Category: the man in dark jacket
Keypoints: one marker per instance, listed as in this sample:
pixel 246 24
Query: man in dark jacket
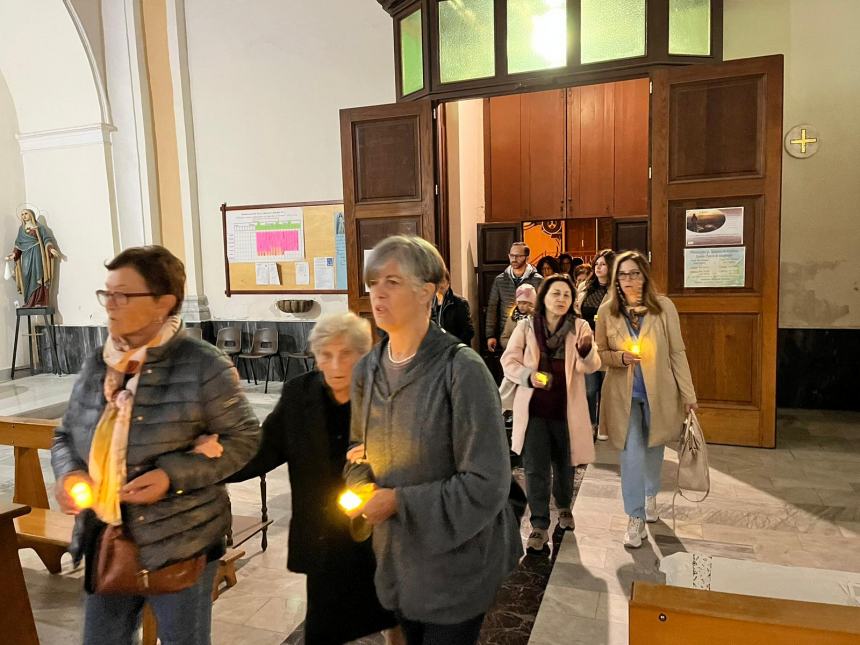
pixel 504 289
pixel 451 312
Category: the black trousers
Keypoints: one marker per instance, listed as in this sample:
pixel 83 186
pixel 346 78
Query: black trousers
pixel 465 633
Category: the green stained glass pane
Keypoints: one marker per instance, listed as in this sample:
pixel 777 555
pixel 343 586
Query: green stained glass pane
pixel 612 29
pixel 690 27
pixel 466 40
pixel 537 35
pixel 411 53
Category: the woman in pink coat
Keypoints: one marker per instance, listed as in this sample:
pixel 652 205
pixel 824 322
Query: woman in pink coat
pixel 548 357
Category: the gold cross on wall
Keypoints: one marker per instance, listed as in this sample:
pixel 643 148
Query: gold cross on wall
pixel 803 141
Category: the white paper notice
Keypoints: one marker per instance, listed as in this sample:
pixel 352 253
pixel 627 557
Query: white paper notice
pixel 267 273
pixel 303 273
pixel 718 267
pixel 324 273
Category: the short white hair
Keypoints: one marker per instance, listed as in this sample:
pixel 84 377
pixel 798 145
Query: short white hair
pixel 419 259
pixel 353 329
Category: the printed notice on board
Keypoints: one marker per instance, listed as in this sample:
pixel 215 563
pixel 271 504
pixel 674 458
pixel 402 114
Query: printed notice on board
pixel 340 250
pixel 267 273
pixel 324 273
pixel 715 226
pixel 720 267
pixel 267 235
pixel 303 273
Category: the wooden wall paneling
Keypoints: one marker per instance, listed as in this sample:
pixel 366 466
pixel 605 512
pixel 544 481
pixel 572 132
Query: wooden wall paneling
pixel 632 235
pixel 543 130
pixel 717 142
pixel 581 236
pixel 631 124
pixel 573 140
pixel 605 233
pixel 504 163
pixel 594 160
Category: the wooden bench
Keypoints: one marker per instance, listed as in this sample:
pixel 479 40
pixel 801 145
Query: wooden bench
pixel 48 533
pixel 16 618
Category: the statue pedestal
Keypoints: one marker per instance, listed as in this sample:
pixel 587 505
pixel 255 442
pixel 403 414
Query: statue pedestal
pixel 47 314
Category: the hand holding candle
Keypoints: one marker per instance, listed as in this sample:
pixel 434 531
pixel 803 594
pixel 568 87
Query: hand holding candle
pixel 541 380
pixel 74 492
pixel 633 355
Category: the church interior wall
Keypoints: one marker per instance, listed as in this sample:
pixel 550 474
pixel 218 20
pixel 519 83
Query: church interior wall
pixel 266 89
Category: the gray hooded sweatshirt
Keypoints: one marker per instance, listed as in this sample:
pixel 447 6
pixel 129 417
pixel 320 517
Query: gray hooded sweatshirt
pixel 438 439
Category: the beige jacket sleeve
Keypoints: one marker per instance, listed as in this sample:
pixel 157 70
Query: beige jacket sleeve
pixel 512 360
pixel 678 352
pixel 608 357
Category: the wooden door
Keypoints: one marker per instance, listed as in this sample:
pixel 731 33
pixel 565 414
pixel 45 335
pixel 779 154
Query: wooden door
pixel 717 143
pixel 631 235
pixel 630 170
pixel 543 145
pixel 494 244
pixel 590 150
pixel 503 159
pixel 387 155
pixel 582 237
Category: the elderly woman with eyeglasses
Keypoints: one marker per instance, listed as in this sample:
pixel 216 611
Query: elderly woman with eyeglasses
pixel 433 451
pixel 648 388
pixel 129 437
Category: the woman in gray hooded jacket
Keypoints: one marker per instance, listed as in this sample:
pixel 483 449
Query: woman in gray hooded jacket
pixel 432 447
pixel 129 434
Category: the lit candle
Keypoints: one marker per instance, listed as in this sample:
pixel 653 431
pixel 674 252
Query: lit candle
pixel 349 501
pixel 542 378
pixel 636 348
pixel 82 493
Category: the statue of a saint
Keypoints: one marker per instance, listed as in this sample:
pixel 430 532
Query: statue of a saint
pixel 34 254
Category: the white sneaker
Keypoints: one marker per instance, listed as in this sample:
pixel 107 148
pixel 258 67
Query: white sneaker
pixel 601 436
pixel 651 509
pixel 635 533
pixel 565 520
pixel 537 540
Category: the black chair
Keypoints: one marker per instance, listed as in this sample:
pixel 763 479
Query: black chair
pixel 264 345
pixel 293 353
pixel 229 340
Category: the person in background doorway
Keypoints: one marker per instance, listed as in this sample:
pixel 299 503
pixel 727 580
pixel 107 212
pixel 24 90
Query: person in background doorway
pixel 589 297
pixel 430 459
pixel 648 388
pixel 547 266
pixel 503 292
pixel 565 264
pixel 451 312
pixel 135 413
pixel 526 299
pixel 581 274
pixel 547 357
pixel 309 431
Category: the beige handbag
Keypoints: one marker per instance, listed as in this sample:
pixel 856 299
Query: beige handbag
pixel 693 472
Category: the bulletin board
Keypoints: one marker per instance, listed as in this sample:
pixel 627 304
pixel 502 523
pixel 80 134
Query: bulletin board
pixel 285 248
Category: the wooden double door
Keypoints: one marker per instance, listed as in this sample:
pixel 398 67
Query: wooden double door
pixel 715 143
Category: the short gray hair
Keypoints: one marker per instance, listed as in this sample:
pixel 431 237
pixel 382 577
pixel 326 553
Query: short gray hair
pixel 419 259
pixel 353 329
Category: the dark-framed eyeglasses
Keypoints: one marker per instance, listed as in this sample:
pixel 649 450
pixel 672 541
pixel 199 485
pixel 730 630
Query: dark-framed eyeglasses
pixel 514 256
pixel 634 276
pixel 119 298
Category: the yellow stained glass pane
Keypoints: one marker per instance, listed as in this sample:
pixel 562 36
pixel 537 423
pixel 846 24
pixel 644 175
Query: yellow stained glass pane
pixel 466 40
pixel 612 29
pixel 537 35
pixel 690 27
pixel 411 53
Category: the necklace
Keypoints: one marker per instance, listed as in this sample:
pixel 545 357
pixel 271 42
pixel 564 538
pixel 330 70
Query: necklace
pixel 402 361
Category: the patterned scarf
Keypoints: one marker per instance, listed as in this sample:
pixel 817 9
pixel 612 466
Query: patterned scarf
pixel 107 465
pixel 634 312
pixel 551 344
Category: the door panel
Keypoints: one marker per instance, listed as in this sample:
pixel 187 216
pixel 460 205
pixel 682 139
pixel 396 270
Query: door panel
pixel 494 243
pixel 503 158
pixel 387 153
pixel 631 148
pixel 717 142
pixel 591 154
pixel 543 129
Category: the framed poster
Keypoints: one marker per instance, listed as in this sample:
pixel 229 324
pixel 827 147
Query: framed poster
pixel 714 268
pixel 715 226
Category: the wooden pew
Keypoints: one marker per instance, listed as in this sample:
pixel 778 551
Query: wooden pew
pixel 16 618
pixel 665 615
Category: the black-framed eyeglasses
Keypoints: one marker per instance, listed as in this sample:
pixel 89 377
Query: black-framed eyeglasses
pixel 119 298
pixel 632 275
pixel 514 256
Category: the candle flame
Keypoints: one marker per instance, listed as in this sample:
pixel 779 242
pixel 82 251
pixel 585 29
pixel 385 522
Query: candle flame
pixel 82 493
pixel 636 349
pixel 541 378
pixel 349 501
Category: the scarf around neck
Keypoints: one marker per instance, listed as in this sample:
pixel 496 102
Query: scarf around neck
pixel 552 344
pixel 107 463
pixel 633 312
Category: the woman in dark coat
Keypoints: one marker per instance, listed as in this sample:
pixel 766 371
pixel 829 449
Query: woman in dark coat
pixel 451 312
pixel 309 430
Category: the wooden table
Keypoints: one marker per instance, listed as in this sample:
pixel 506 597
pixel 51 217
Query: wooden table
pixel 16 618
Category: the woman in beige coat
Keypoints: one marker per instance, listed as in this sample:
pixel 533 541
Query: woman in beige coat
pixel 551 426
pixel 647 390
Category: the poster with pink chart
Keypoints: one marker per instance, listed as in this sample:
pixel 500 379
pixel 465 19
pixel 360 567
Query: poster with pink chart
pixel 269 235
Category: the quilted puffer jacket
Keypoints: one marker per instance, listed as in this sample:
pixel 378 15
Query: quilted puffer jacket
pixel 187 387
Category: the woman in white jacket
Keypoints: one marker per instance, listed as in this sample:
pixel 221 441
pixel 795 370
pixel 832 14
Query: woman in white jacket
pixel 547 357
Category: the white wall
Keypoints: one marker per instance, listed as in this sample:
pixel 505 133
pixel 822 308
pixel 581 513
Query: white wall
pixel 12 195
pixel 820 270
pixel 268 78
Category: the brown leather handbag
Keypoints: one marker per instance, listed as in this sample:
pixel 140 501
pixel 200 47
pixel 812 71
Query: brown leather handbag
pixel 118 570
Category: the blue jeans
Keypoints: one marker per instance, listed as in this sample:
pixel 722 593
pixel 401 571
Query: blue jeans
pixel 184 618
pixel 640 465
pixel 593 383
